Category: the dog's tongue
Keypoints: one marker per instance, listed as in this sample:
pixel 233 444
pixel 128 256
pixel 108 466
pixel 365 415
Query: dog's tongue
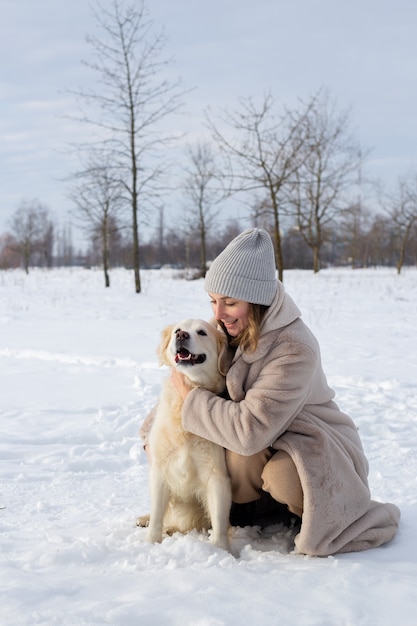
pixel 183 355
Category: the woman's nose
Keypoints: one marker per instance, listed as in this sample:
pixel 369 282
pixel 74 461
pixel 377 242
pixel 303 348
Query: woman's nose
pixel 218 311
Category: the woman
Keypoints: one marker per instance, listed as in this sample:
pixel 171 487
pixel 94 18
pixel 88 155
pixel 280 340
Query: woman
pixel 282 432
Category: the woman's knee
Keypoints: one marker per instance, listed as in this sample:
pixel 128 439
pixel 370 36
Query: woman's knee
pixel 280 478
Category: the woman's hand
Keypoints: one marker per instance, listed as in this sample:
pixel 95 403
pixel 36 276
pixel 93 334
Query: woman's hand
pixel 179 382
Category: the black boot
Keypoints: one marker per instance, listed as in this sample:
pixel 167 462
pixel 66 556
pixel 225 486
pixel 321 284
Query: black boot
pixel 263 512
pixel 242 514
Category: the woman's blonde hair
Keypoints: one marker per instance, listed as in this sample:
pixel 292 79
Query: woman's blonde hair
pixel 248 339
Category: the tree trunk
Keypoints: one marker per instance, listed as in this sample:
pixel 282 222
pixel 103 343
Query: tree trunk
pixel 279 261
pixel 136 263
pixel 203 253
pixel 316 259
pixel 400 261
pixel 105 250
pixel 136 257
pixel 26 258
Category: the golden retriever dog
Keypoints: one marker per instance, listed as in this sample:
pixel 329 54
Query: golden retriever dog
pixel 189 483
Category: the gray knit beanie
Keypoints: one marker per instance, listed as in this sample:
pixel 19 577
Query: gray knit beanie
pixel 245 270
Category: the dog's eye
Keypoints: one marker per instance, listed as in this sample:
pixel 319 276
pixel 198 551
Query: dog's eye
pixel 202 333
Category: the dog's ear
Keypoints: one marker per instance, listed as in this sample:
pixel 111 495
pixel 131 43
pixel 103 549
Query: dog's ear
pixel 225 353
pixel 163 344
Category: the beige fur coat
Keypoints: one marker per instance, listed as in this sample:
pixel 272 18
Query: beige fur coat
pixel 280 398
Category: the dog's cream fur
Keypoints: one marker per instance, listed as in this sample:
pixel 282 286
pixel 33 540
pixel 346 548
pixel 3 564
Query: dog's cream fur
pixel 189 483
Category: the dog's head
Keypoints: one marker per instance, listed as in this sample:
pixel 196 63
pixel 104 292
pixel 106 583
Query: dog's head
pixel 198 350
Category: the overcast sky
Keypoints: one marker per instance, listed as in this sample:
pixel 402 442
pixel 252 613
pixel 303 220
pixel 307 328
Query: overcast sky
pixel 363 51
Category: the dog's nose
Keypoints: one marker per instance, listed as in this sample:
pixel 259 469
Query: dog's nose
pixel 182 335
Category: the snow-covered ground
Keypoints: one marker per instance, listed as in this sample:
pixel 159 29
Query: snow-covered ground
pixel 79 373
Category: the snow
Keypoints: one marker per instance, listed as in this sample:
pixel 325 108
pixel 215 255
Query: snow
pixel 79 373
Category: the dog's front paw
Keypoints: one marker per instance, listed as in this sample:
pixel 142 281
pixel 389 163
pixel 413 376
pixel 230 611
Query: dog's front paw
pixel 153 536
pixel 221 542
pixel 143 521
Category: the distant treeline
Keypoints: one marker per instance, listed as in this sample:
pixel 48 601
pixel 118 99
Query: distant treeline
pixel 376 243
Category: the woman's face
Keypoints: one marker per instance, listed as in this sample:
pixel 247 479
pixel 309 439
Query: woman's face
pixel 234 314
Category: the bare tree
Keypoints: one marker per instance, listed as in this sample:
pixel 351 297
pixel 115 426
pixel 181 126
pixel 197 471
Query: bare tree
pixel 46 239
pixel 98 198
pixel 264 155
pixel 354 234
pixel 204 188
pixel 65 248
pixel 133 99
pixel 329 170
pixel 402 209
pixel 28 225
pixel 9 255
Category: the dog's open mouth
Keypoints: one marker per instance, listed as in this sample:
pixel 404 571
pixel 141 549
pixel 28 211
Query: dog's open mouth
pixel 185 357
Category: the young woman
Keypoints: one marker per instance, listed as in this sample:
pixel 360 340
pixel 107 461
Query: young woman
pixel 286 441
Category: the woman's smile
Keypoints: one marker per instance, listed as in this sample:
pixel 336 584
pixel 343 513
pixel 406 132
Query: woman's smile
pixel 230 324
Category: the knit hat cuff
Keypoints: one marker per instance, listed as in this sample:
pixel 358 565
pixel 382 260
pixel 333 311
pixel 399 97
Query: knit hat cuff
pixel 241 288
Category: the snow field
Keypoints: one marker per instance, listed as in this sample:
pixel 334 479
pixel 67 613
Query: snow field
pixel 79 373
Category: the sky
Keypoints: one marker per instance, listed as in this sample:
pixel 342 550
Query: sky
pixel 363 51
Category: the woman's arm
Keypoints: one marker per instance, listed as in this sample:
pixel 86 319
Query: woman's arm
pixel 269 406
